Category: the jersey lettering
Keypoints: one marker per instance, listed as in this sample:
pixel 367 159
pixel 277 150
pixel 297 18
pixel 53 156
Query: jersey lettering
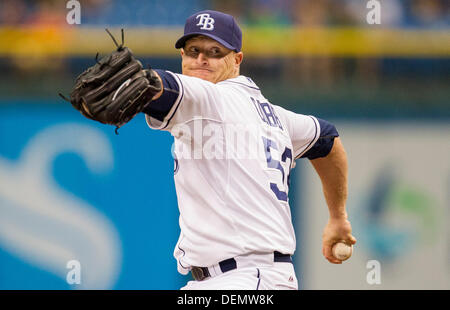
pixel 267 113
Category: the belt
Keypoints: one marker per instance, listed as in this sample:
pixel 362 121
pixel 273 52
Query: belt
pixel 200 273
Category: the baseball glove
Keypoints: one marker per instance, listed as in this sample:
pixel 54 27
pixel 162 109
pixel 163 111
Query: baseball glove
pixel 115 89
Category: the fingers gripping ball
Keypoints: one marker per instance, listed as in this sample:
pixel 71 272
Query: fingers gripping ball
pixel 115 89
pixel 342 251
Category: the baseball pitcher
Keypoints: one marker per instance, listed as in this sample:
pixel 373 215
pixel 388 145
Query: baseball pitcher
pixel 233 152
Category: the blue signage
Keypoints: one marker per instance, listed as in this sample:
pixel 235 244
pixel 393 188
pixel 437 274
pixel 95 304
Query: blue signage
pixel 82 207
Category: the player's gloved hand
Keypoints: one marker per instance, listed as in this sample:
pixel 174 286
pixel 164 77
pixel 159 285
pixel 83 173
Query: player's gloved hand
pixel 115 89
pixel 336 230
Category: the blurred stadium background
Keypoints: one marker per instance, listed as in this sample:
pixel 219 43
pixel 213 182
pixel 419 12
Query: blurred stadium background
pixel 109 201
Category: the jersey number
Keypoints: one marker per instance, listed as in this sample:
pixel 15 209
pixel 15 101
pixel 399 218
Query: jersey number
pixel 273 163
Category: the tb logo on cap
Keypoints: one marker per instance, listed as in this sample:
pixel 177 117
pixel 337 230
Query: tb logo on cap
pixel 205 21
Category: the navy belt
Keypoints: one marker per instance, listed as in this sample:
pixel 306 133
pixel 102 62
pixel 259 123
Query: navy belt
pixel 200 273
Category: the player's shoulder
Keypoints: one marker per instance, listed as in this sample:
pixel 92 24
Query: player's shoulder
pixel 290 117
pixel 242 82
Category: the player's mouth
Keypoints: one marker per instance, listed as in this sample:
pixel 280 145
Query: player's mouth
pixel 203 70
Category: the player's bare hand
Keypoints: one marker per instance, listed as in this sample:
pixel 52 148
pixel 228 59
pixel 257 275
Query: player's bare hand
pixel 336 230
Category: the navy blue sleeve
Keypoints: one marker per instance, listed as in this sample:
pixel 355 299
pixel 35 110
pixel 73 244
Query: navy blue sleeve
pixel 160 107
pixel 324 143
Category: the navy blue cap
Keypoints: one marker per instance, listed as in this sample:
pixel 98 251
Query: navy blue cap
pixel 216 25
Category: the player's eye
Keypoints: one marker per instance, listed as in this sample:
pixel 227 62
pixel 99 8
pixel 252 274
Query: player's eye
pixel 192 52
pixel 215 53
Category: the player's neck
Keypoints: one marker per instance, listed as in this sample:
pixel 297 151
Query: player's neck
pixel 232 75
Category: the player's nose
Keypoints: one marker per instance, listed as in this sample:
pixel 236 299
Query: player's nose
pixel 202 59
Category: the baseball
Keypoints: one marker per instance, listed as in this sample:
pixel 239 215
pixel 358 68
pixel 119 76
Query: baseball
pixel 342 251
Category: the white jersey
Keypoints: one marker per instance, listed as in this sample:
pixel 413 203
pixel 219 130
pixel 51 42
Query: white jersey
pixel 233 154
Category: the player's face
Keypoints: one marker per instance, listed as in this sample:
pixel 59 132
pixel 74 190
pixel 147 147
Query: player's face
pixel 209 60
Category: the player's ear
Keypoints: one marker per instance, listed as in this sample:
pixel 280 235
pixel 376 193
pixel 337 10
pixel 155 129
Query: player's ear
pixel 238 57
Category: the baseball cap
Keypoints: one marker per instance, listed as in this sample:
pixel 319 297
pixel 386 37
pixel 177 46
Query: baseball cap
pixel 216 25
